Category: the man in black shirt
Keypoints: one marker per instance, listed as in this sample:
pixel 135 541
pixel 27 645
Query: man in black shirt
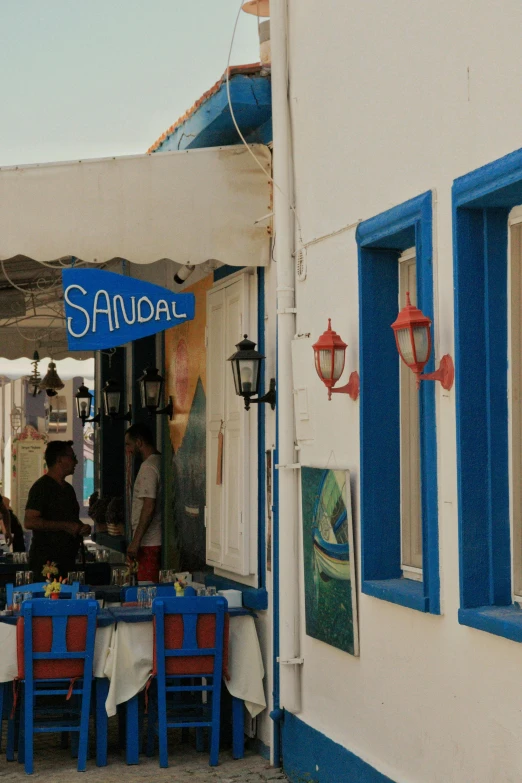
pixel 53 513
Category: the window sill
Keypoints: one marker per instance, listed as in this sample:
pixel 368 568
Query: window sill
pixel 503 621
pixel 405 592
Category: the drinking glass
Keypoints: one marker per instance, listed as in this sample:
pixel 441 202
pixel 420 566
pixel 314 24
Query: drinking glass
pixel 28 578
pixel 201 591
pixel 23 557
pixel 211 591
pixel 19 578
pixel 27 596
pixel 142 597
pixel 17 601
pixel 16 557
pixel 80 596
pixel 171 575
pixel 80 577
pixel 72 576
pixel 151 595
pixel 164 575
pixel 115 576
pixel 90 596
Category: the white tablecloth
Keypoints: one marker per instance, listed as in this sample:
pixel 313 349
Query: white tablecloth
pixel 123 653
pixel 129 663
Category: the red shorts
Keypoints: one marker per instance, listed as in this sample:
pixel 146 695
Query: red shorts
pixel 149 563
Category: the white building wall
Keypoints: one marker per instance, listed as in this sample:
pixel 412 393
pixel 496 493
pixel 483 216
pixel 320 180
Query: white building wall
pixel 390 100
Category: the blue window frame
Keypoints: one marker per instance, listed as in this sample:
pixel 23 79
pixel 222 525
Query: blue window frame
pixel 381 240
pixel 481 204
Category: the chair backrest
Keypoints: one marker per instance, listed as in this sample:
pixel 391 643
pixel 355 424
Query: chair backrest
pixel 129 594
pixel 55 639
pixel 190 636
pixel 38 589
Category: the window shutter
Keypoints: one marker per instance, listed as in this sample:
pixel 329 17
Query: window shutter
pixel 227 503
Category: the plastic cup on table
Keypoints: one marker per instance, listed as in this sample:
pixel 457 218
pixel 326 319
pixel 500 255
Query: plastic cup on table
pixel 17 601
pixel 142 597
pixel 151 595
pixel 19 578
pixel 28 578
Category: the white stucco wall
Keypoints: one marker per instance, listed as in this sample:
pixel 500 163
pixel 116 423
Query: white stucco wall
pixel 390 100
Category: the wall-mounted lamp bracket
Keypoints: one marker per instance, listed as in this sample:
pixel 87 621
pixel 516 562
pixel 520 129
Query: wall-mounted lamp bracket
pixel 126 417
pixel 352 387
pixel 94 420
pixel 168 410
pixel 269 397
pixel 445 374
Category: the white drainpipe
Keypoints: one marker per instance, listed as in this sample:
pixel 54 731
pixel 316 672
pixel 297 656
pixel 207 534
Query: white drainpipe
pixel 290 680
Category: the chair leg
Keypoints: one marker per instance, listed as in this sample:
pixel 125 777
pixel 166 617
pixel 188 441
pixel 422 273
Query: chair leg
pixel 162 727
pixel 83 746
pixel 27 742
pixel 132 745
pixel 102 690
pixel 238 729
pixel 216 720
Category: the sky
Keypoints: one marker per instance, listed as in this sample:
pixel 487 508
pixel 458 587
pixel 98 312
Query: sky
pixel 95 78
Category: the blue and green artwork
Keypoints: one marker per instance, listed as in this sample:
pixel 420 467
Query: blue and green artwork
pixel 328 557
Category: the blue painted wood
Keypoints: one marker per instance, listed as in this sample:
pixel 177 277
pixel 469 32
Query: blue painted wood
pixel 57 611
pixel 211 125
pixel 503 621
pixel 381 239
pixel 238 728
pixel 481 203
pixel 197 715
pixel 132 742
pixel 37 590
pixel 310 755
pixel 253 597
pixel 102 721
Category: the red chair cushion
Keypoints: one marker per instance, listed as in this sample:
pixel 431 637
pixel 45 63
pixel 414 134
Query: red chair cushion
pixel 205 635
pixel 76 640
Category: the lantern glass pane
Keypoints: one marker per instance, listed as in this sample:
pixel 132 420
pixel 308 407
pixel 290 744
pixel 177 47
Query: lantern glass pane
pixel 152 393
pixel 249 373
pixel 112 402
pixel 405 345
pixel 235 372
pixel 323 363
pixel 339 356
pixel 422 343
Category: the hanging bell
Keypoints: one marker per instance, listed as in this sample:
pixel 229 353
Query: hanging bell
pixel 35 378
pixel 51 383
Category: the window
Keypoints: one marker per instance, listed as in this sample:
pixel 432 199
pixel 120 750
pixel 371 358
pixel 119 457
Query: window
pixel 231 433
pixel 411 512
pixel 399 509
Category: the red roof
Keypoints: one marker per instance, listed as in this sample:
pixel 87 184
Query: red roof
pixel 234 70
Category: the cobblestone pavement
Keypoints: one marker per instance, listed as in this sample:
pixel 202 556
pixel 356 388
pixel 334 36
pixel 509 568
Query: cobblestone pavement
pixel 186 765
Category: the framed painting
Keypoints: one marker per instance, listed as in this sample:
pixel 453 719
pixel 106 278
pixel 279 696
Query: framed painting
pixel 329 558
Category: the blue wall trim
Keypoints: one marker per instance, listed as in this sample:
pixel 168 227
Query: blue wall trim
pixel 381 239
pixel 305 748
pixel 481 204
pixel 224 271
pixel 253 597
pixel 261 437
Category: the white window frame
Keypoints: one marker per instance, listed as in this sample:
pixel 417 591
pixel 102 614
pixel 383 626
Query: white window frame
pixel 411 501
pixel 249 435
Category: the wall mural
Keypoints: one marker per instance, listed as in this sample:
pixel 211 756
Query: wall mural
pixel 328 558
pixel 185 360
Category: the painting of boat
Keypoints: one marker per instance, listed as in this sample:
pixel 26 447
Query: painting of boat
pixel 330 536
pixel 328 558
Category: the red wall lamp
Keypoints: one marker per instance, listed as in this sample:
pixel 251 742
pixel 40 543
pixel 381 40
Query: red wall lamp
pixel 330 354
pixel 413 338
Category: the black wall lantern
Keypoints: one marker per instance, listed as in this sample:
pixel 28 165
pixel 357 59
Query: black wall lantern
pixel 112 397
pixel 83 405
pixel 151 387
pixel 246 368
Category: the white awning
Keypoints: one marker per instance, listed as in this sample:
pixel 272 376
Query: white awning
pixel 188 206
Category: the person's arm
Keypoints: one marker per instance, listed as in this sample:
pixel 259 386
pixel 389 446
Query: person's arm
pixel 33 520
pixel 146 516
pixel 5 523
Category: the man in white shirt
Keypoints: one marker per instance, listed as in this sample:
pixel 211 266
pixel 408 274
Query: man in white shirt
pixel 145 546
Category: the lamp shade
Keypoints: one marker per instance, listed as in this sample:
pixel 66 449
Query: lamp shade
pixel 151 386
pixel 245 368
pixel 51 382
pixel 413 337
pixel 329 354
pixel 111 398
pixel 83 402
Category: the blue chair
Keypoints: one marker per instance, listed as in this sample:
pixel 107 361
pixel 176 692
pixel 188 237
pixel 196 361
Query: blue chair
pixel 188 661
pixel 58 655
pixel 38 588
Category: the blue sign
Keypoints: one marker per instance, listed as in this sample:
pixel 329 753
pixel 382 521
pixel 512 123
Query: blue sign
pixel 103 309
